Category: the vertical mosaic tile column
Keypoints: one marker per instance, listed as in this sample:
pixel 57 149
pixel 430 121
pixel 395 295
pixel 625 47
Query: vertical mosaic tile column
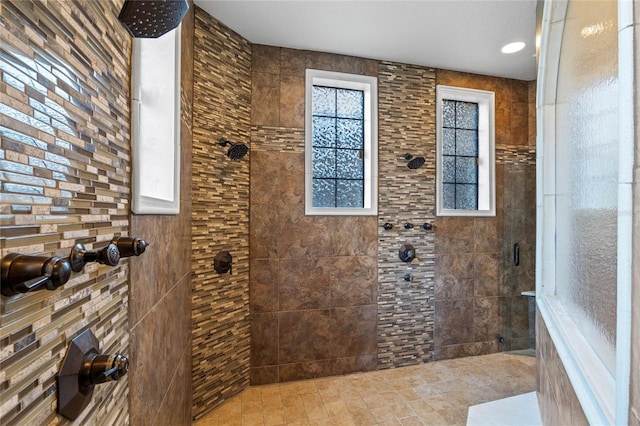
pixel 406 125
pixel 220 218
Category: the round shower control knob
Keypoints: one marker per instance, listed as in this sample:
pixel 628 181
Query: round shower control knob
pixel 128 246
pixel 80 256
pixel 98 369
pixel 407 253
pixel 110 255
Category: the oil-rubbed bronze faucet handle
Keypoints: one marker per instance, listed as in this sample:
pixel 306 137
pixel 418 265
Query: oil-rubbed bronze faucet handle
pixel 109 255
pixel 22 273
pixel 129 246
pixel 102 368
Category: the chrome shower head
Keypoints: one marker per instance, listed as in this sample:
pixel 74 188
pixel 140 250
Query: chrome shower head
pixel 236 151
pixel 414 162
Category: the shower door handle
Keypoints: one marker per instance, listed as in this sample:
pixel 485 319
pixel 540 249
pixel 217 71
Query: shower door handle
pixel 516 254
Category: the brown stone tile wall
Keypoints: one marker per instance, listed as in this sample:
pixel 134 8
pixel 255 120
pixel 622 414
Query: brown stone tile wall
pixel 313 279
pixel 328 294
pixel 220 213
pixel 406 114
pixel 160 290
pixel 64 170
pixel 477 288
pixel 558 402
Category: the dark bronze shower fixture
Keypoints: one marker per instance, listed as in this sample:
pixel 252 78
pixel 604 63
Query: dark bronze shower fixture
pixel 22 273
pixel 84 367
pixel 407 253
pixel 236 150
pixel 152 18
pixel 414 162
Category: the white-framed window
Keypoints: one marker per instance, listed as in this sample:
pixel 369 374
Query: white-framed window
pixel 341 144
pixel 465 166
pixel 155 124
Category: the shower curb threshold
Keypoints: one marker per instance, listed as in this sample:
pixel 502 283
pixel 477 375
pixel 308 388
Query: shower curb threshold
pixel 513 411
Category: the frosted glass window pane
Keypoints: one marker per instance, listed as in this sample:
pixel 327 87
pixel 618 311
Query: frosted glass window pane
pixel 350 103
pixel 459 150
pixel 350 193
pixel 350 165
pixel 448 142
pixel 466 170
pixel 335 120
pixel 449 196
pixel 467 197
pixel 324 193
pixel 467 142
pixel 324 132
pixel 466 115
pixel 587 174
pixel 324 101
pixel 449 169
pixel 350 134
pixel 324 163
pixel 448 113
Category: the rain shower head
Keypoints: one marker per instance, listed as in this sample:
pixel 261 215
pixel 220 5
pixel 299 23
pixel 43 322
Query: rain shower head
pixel 152 18
pixel 236 150
pixel 414 162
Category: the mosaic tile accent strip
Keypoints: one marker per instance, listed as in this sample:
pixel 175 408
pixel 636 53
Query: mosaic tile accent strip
pixel 515 154
pixel 64 170
pixel 277 139
pixel 220 215
pixel 406 125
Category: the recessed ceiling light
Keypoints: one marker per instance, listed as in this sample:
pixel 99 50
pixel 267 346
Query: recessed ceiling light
pixel 513 47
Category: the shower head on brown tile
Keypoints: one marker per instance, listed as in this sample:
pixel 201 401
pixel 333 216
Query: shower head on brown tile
pixel 152 18
pixel 236 151
pixel 414 162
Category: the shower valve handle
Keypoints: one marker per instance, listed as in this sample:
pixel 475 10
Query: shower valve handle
pixel 22 273
pixel 407 253
pixel 128 246
pixel 80 256
pixel 101 368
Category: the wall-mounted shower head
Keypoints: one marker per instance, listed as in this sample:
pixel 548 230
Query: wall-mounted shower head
pixel 414 162
pixel 236 150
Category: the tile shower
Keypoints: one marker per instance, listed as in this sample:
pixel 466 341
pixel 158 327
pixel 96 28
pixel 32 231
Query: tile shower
pixel 243 323
pixel 327 295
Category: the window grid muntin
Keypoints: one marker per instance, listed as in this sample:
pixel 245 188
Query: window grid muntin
pixel 335 147
pixel 457 125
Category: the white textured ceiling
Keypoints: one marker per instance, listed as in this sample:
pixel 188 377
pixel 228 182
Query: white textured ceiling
pixel 455 34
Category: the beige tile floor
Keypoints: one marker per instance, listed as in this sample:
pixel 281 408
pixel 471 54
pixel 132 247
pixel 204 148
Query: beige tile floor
pixel 436 393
